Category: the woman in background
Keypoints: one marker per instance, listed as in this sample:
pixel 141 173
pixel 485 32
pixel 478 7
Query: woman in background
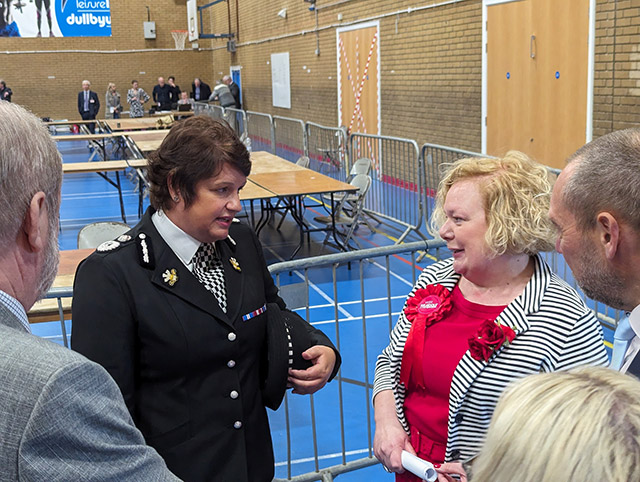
pixel 136 97
pixel 490 314
pixel 114 107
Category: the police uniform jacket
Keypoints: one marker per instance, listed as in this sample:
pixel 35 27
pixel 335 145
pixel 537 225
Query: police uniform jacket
pixel 189 373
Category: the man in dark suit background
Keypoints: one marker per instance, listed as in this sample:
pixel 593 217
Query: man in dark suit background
pixel 88 104
pixel 235 90
pixel 595 206
pixel 200 91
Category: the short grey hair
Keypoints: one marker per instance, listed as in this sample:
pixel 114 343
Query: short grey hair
pixel 29 163
pixel 606 177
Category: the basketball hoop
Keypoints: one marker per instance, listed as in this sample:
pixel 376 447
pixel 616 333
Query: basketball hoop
pixel 179 36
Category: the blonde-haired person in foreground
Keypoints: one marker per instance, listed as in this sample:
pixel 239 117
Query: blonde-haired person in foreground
pixel 581 425
pixel 473 323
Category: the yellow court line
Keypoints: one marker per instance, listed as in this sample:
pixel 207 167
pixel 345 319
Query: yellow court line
pixel 608 344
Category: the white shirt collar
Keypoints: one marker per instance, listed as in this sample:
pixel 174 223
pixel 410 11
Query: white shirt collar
pixel 183 245
pixel 634 320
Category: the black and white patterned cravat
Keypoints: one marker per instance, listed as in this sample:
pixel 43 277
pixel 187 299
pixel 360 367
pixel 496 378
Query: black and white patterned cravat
pixel 208 269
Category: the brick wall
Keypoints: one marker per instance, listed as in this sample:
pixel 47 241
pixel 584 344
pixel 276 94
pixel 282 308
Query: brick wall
pixel 430 64
pixel 430 61
pixel 27 64
pixel 617 66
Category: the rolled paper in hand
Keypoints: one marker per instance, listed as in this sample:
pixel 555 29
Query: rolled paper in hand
pixel 419 467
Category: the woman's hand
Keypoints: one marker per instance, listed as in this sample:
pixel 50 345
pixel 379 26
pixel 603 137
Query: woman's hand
pixel 316 376
pixel 445 470
pixel 390 438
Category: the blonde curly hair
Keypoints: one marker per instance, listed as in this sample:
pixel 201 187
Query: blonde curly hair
pixel 516 191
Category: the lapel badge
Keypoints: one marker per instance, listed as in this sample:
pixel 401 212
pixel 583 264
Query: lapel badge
pixel 235 264
pixel 170 277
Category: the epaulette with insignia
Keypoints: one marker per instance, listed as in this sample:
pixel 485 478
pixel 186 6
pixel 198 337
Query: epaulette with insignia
pixel 145 251
pixel 114 244
pixel 108 246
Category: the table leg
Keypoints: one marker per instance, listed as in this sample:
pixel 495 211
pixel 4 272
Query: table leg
pixel 119 187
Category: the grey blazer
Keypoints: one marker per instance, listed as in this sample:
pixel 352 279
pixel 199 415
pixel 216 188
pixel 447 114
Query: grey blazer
pixel 63 418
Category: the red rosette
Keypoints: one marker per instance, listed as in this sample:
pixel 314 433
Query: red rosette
pixel 490 337
pixel 424 308
pixel 429 304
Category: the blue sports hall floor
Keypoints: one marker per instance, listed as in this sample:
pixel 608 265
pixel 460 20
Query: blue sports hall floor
pixel 87 198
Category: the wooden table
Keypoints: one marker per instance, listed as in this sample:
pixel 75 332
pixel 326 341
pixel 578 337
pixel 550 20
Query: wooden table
pixel 262 162
pixel 65 122
pixel 101 168
pixel 59 308
pixel 136 123
pixel 174 113
pixel 148 141
pixel 291 186
pixel 100 139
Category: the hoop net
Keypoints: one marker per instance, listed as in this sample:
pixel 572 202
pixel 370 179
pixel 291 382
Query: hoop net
pixel 179 36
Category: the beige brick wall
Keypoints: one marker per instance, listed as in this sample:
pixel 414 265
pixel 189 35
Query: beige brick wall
pixel 27 64
pixel 430 61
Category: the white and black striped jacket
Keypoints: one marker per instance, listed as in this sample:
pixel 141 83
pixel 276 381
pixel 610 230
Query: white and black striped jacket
pixel 555 330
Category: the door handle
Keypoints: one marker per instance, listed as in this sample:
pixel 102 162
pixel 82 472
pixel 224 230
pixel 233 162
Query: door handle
pixel 532 45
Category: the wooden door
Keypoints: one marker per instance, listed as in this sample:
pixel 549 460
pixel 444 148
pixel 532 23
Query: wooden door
pixel 537 61
pixel 358 96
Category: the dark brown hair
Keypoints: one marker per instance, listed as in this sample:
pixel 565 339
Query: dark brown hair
pixel 195 149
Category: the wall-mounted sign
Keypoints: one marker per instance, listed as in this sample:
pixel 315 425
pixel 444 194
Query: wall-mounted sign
pixel 55 18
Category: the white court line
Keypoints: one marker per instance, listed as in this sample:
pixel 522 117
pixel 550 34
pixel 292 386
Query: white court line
pixel 323 457
pixel 356 318
pixel 313 286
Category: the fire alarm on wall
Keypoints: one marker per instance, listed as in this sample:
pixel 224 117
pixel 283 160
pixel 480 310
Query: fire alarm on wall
pixel 149 30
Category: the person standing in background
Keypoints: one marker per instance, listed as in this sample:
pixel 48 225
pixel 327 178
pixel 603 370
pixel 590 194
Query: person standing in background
pixel 5 92
pixel 235 90
pixel 163 95
pixel 88 104
pixel 136 97
pixel 113 106
pixel 200 91
pixel 175 88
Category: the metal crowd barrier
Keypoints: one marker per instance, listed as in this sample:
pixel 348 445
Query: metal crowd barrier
pixel 260 131
pixel 199 107
pixel 327 150
pixel 290 138
pixel 237 119
pixel 395 191
pixel 342 410
pixel 433 157
pixel 334 428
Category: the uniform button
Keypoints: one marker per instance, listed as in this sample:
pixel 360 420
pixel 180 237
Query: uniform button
pixel 237 424
pixel 233 394
pixel 231 336
pixel 459 418
pixel 455 454
pixel 231 363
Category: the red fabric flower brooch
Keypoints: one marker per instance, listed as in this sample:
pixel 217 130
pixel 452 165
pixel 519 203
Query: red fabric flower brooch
pixel 489 338
pixel 424 308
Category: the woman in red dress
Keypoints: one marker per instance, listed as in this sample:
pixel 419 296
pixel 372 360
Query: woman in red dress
pixel 492 313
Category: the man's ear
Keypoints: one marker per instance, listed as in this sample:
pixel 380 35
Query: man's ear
pixel 608 232
pixel 36 222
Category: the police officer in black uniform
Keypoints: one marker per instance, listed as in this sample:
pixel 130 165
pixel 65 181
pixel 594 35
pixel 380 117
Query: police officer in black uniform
pixel 175 310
